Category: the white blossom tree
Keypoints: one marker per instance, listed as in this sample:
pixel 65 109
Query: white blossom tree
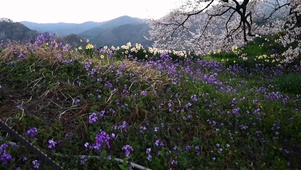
pixel 209 25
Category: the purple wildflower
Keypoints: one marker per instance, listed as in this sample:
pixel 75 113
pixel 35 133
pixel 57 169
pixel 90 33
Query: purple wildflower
pixel 188 147
pixel 174 162
pixel 108 84
pixel 3 147
pixel 32 132
pixel 16 52
pixel 52 144
pixel 21 55
pixel 210 79
pixel 18 107
pixel 169 103
pixel 93 118
pixel 175 148
pixel 99 79
pixel 101 113
pixel 36 164
pixel 66 135
pixel 102 138
pixel 148 150
pixel 77 100
pixel 123 126
pixel 194 98
pixel 119 73
pixel 144 93
pixel 5 157
pixel 165 56
pixel 87 65
pixel 188 105
pixel 142 128
pixel 236 110
pixel 233 102
pixel 159 143
pixel 83 160
pixel 86 144
pixel 128 149
pixel 149 157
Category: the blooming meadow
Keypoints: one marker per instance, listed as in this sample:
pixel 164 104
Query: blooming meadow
pixel 132 107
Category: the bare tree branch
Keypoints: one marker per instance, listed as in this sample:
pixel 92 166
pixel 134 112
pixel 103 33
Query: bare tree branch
pixel 273 12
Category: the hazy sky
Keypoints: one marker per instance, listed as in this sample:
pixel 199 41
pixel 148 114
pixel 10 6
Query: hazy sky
pixel 75 11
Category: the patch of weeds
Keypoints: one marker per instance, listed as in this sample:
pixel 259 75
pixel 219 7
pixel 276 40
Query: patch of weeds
pixel 290 83
pixel 221 56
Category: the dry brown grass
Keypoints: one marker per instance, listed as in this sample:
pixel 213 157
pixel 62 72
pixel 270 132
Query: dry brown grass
pixel 146 74
pixel 54 55
pixel 44 52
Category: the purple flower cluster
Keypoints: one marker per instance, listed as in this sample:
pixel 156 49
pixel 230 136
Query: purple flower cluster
pixel 174 162
pixel 219 148
pixel 5 156
pixel 68 62
pixel 165 56
pixel 128 149
pixel 36 164
pixel 45 38
pixel 52 144
pixel 21 56
pixel 83 159
pixel 101 139
pixel 159 143
pixel 93 118
pixel 194 98
pixel 211 79
pixel 32 132
pixel 148 152
pixel 87 65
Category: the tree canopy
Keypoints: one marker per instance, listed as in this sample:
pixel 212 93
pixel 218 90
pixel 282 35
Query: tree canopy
pixel 209 25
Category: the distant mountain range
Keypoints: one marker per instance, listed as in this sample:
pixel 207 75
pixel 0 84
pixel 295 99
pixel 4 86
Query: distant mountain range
pixel 16 31
pixel 114 32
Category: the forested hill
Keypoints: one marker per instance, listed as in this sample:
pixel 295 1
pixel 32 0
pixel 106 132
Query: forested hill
pixel 15 31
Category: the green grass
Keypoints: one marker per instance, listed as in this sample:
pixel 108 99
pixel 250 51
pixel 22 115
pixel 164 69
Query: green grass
pixel 290 83
pixel 174 112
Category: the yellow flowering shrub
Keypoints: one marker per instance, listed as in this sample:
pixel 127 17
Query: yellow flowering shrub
pixel 89 46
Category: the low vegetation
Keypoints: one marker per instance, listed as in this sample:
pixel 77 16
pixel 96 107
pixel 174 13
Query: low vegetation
pixel 135 107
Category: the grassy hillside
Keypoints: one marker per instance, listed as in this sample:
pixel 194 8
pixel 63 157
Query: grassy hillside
pixel 115 108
